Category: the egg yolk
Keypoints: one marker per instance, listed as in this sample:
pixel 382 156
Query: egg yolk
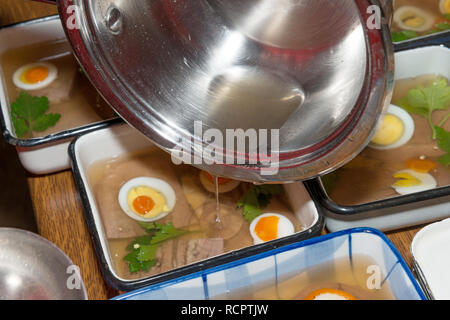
pixel 267 228
pixel 406 180
pixel 143 204
pixel 391 131
pixel 411 20
pixel 147 202
pixel 220 181
pixel 329 294
pixel 35 75
pixel 421 166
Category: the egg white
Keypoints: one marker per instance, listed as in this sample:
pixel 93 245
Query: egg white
pixel 330 296
pixel 429 20
pixel 285 227
pixel 408 124
pixel 52 75
pixel 153 183
pixel 428 182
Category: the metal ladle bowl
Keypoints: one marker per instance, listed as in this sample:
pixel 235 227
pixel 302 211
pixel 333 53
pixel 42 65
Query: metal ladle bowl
pixel 32 268
pixel 314 69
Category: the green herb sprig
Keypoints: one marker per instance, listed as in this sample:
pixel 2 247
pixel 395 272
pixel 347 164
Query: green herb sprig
pixel 424 101
pixel 143 249
pixel 443 137
pixel 404 35
pixel 256 199
pixel 29 113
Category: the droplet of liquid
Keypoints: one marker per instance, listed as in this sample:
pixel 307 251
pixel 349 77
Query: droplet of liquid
pixel 216 188
pixel 230 220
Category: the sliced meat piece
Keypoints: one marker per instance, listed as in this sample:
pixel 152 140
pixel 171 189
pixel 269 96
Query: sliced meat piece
pixel 190 251
pixel 165 258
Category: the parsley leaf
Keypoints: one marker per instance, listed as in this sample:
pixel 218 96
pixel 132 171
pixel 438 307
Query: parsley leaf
pixel 424 101
pixel 250 205
pixel 147 252
pixel 166 232
pixel 257 198
pixel 161 232
pixel 20 126
pixel 150 227
pixel 434 97
pixel 28 107
pixel 28 113
pixel 403 35
pixel 443 137
pixel 134 265
pixel 45 121
pixel 445 159
pixel 143 240
pixel 443 26
pixel 405 104
pixel 269 189
pixel 144 248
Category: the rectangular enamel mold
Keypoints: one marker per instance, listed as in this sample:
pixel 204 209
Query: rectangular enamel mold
pixel 46 154
pixel 402 211
pixel 269 267
pixel 122 139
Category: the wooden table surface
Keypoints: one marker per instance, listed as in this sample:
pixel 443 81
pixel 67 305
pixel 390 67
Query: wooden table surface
pixel 58 209
pixel 57 206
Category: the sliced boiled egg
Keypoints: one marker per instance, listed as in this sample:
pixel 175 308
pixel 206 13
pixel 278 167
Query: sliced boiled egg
pixel 35 76
pixel 270 226
pixel 413 19
pixel 444 6
pixel 147 199
pixel 396 129
pixel 411 181
pixel 224 184
pixel 329 294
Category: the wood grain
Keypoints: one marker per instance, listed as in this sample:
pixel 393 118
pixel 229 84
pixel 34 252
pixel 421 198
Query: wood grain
pixel 58 210
pixel 402 239
pixel 12 11
pixel 60 219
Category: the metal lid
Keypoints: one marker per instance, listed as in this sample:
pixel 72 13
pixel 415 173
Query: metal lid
pixel 306 80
